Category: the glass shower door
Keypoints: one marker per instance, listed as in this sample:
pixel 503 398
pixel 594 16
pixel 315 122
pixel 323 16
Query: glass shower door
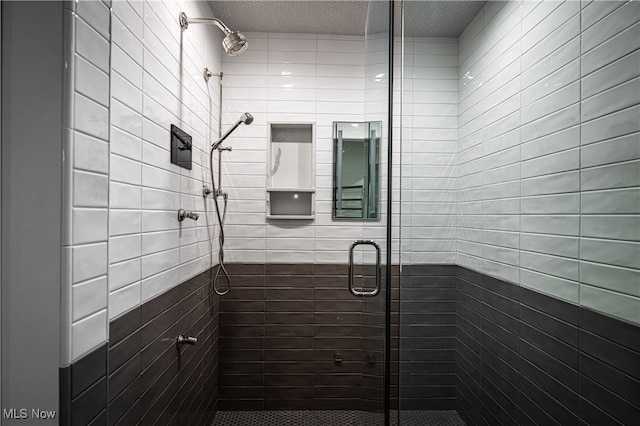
pixel 376 246
pixel 427 63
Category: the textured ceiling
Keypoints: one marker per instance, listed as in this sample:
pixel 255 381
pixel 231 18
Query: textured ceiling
pixel 438 18
pixel 347 17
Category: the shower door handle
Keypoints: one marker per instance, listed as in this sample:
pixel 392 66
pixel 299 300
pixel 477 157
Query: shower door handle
pixel 376 290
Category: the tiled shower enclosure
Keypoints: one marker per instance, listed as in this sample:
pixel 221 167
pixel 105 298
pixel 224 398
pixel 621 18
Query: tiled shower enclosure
pixel 509 172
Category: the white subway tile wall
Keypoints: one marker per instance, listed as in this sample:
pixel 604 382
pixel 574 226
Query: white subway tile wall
pixel 429 148
pixel 135 73
pixel 86 186
pixel 610 153
pixel 157 81
pixel 520 150
pixel 548 168
pixel 297 78
pixel 376 107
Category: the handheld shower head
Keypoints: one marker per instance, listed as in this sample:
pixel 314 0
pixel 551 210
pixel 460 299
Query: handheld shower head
pixel 233 42
pixel 245 118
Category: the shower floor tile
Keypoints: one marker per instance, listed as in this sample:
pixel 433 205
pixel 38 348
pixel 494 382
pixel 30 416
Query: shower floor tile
pixel 335 418
pixel 428 417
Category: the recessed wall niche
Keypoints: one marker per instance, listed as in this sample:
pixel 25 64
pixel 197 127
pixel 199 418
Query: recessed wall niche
pixel 291 171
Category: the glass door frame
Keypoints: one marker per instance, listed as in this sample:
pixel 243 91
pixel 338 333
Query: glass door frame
pixel 389 240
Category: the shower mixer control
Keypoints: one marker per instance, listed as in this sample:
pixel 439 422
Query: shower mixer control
pixel 183 214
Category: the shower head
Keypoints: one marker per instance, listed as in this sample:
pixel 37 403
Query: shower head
pixel 245 118
pixel 233 43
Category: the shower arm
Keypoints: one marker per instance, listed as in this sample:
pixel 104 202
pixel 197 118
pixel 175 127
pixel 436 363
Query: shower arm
pixel 217 143
pixel 185 21
pixel 245 118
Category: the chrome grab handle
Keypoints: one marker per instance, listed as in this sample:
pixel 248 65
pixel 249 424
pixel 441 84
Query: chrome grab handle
pixel 376 290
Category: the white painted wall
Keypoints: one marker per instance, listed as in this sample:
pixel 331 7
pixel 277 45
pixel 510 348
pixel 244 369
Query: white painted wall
pixel 548 150
pixel 1 280
pixel 31 207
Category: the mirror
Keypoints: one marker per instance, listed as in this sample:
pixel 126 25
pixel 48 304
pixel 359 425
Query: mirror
pixel 356 171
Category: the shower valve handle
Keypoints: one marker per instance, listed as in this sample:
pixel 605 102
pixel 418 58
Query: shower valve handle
pixel 181 340
pixel 183 214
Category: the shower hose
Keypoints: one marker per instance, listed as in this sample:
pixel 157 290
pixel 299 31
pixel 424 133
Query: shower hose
pixel 222 270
